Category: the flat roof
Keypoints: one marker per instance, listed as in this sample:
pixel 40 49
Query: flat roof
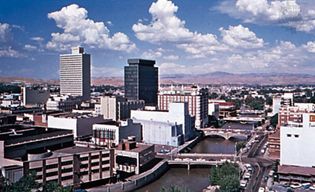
pixel 9 162
pixel 296 170
pixel 74 115
pixel 29 134
pixel 74 150
pixel 141 62
pixel 139 147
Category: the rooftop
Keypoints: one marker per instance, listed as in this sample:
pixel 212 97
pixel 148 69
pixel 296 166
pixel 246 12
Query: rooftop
pixel 296 170
pixel 139 147
pixel 74 150
pixel 141 62
pixel 74 115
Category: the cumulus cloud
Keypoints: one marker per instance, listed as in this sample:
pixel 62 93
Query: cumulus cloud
pixel 299 15
pixel 166 27
pixel 4 31
pixel 9 52
pixel 284 56
pixel 239 36
pixel 153 54
pixel 310 46
pixel 78 29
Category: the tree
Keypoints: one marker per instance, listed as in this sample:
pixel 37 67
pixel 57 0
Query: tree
pixel 274 120
pixel 240 145
pixel 28 184
pixel 226 176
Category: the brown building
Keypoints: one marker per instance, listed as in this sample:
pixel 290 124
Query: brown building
pixel 73 166
pixel 197 99
pixel 132 157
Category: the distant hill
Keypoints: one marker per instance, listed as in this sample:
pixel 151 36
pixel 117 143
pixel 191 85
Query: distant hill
pixel 249 78
pixel 209 78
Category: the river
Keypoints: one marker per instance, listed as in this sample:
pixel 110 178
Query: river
pixel 194 180
pixel 197 178
pixel 215 145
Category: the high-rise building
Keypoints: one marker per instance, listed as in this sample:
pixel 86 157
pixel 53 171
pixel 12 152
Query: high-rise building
pixel 197 99
pixel 141 81
pixel 75 73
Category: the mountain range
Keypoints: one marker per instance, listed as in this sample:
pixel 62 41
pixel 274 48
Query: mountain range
pixel 215 78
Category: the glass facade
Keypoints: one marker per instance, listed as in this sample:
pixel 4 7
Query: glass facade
pixel 141 81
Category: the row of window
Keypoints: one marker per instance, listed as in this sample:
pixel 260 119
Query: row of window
pixel 290 135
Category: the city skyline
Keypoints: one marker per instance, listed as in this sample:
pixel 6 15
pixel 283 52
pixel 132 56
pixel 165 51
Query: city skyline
pixel 183 37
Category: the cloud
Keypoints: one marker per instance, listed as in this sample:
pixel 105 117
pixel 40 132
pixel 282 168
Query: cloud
pixel 29 47
pixel 284 56
pixel 4 31
pixel 299 15
pixel 310 46
pixel 38 39
pixel 9 52
pixel 79 30
pixel 166 27
pixel 239 36
pixel 153 54
pixel 171 57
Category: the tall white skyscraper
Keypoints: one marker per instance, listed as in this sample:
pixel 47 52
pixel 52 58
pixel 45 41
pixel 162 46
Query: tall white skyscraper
pixel 75 73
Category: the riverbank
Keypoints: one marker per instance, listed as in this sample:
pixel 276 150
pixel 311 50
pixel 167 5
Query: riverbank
pixel 136 181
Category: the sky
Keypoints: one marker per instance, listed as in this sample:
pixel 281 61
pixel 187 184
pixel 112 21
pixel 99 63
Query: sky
pixel 183 36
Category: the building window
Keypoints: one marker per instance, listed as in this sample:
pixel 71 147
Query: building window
pixel 296 136
pixel 289 135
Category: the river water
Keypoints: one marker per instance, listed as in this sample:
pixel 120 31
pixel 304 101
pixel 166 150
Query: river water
pixel 214 145
pixel 197 178
pixel 194 180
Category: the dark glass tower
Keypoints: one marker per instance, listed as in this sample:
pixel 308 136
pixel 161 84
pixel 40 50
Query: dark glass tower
pixel 141 81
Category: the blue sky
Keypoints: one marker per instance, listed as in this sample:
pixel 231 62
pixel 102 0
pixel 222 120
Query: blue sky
pixel 184 37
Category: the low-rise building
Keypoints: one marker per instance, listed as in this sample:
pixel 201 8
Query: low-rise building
pixel 214 110
pixel 73 166
pixel 165 127
pixel 118 108
pixel 35 95
pixel 131 157
pixel 111 133
pixel 79 123
pixel 11 170
pixel 62 103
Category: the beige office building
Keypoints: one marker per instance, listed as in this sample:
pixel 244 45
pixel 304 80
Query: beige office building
pixel 118 108
pixel 75 73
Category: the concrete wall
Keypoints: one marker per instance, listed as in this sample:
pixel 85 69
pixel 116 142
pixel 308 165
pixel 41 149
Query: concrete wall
pixel 177 114
pixel 137 181
pixel 33 96
pixel 79 126
pixel 296 143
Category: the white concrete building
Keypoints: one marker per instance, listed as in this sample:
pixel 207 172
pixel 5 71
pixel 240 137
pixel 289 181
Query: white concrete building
pixel 75 73
pixel 165 127
pixel 35 96
pixel 118 108
pixel 276 104
pixel 112 133
pixel 213 109
pixel 197 99
pixel 297 142
pixel 80 124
